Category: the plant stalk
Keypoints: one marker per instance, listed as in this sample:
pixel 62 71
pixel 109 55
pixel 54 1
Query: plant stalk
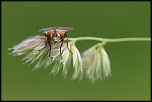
pixel 110 40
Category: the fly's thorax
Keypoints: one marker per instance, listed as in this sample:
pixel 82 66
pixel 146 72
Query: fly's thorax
pixel 61 33
pixel 56 37
pixel 53 36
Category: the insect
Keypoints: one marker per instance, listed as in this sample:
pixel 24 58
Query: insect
pixel 55 34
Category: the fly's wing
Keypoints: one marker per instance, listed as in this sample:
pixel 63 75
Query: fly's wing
pixel 44 29
pixel 66 28
pixel 62 28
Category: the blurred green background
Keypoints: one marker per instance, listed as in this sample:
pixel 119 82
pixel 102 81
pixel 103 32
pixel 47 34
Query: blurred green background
pixel 130 61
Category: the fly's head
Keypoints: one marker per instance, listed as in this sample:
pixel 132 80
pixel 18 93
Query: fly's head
pixel 56 34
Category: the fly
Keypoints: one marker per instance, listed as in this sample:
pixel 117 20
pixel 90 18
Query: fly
pixel 55 34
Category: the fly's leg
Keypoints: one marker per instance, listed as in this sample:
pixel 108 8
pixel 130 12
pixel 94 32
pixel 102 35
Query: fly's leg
pixel 67 45
pixel 60 48
pixel 45 44
pixel 50 48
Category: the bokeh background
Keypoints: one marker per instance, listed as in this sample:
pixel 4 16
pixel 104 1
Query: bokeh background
pixel 130 61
